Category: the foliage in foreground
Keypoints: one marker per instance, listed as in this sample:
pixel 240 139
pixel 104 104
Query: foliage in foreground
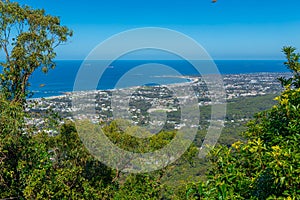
pixel 39 166
pixel 28 38
pixel 267 165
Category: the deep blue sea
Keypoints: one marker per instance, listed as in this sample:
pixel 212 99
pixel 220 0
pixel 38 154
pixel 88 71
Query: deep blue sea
pixel 61 79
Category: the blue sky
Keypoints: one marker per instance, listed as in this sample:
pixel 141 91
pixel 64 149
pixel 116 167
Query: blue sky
pixel 228 29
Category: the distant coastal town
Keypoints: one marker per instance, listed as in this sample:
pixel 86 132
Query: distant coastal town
pixel 97 105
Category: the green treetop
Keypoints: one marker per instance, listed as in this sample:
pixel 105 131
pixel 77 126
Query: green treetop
pixel 28 38
pixel 267 165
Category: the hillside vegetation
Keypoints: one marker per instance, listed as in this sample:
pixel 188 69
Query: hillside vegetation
pixel 261 163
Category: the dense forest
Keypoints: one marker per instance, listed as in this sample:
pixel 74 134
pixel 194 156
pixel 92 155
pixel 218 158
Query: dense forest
pixel 257 158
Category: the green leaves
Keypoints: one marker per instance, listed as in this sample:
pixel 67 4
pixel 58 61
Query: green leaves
pixel 267 165
pixel 293 65
pixel 42 167
pixel 28 37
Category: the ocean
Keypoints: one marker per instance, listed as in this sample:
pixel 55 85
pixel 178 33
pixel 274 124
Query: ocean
pixel 62 78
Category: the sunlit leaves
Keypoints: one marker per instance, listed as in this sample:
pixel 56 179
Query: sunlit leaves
pixel 267 165
pixel 28 38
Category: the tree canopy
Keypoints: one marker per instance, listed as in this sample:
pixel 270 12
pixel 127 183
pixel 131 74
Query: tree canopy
pixel 28 38
pixel 35 165
pixel 267 165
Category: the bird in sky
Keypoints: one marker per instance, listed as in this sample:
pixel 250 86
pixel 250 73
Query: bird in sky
pixel 214 1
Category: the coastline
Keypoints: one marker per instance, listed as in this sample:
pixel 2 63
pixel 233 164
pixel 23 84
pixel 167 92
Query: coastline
pixel 191 80
pixel 96 105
